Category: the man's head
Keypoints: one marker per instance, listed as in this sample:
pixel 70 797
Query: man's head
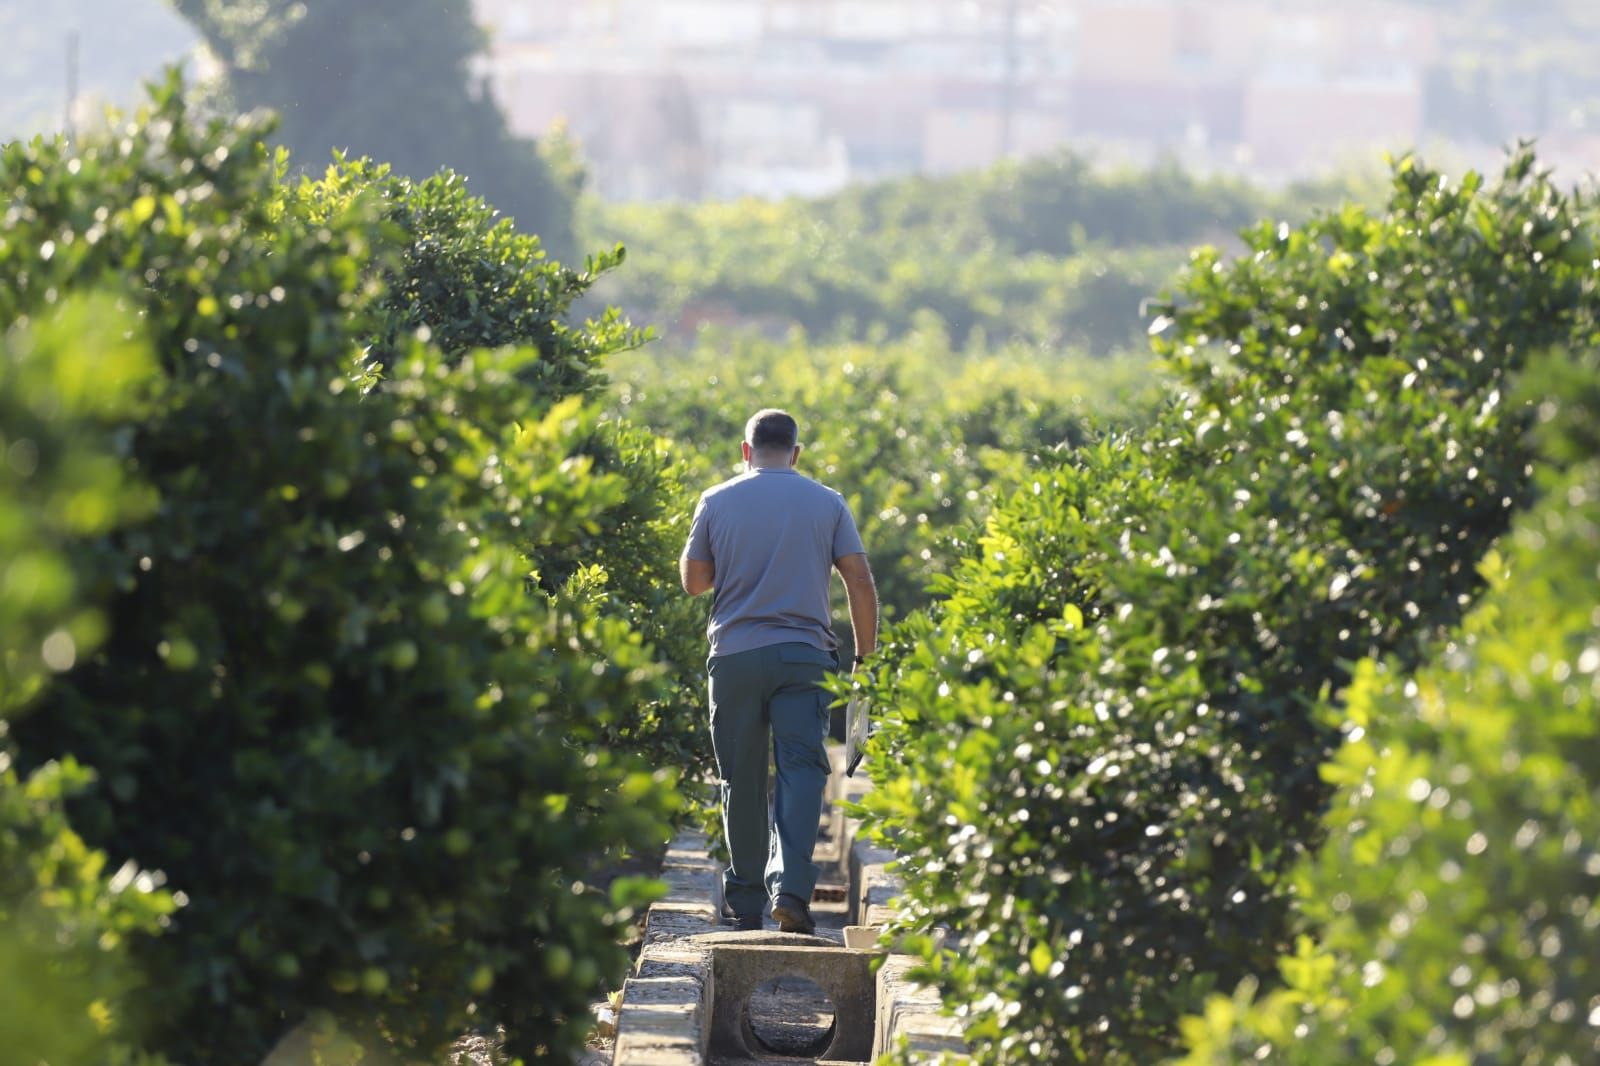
pixel 771 438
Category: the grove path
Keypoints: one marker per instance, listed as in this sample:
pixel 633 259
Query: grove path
pixel 791 1016
pixel 669 1010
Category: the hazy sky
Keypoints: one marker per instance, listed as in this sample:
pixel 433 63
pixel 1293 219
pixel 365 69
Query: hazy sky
pixel 1531 59
pixel 121 44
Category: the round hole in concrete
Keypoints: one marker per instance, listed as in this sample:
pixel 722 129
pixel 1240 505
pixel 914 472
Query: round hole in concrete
pixel 791 1016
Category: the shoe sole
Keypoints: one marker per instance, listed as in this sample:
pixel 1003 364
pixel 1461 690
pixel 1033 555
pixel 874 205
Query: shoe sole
pixel 790 921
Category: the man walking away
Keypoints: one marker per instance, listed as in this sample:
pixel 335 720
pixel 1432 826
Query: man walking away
pixel 768 541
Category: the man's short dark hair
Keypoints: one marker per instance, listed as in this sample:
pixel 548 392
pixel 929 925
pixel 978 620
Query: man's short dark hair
pixel 772 430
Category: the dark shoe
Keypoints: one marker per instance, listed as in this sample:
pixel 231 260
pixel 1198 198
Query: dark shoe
pixel 745 923
pixel 792 914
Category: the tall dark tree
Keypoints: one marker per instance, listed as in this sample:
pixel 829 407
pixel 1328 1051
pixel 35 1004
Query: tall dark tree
pixel 390 79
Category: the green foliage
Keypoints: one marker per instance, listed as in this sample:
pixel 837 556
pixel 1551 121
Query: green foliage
pixel 466 280
pixel 63 921
pixel 913 435
pixel 1452 909
pixel 389 79
pixel 1100 753
pixel 64 382
pixel 1046 253
pixel 470 280
pixel 629 570
pixel 370 763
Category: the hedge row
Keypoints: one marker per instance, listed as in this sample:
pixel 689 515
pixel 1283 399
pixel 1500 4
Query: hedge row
pixel 472 282
pixel 917 436
pixel 1451 913
pixel 1100 754
pixel 319 675
pixel 1048 252
pixel 65 383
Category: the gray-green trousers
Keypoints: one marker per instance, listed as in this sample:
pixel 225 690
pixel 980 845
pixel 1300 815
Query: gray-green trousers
pixel 776 691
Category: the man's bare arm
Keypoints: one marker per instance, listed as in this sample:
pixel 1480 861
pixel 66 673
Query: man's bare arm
pixel 697 575
pixel 862 592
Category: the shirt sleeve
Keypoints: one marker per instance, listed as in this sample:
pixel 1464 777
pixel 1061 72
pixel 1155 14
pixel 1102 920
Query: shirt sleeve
pixel 846 541
pixel 699 546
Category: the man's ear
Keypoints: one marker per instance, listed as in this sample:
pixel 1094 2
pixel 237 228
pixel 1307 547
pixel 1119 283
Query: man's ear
pixel 794 460
pixel 744 450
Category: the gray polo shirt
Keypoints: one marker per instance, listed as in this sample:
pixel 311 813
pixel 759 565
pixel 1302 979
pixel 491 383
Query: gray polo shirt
pixel 771 537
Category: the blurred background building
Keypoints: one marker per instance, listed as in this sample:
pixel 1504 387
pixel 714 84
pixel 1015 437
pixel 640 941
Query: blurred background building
pixel 727 97
pixel 718 98
pixel 696 99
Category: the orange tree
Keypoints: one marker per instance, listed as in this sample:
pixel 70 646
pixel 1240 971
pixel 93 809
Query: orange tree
pixel 371 765
pixel 1047 252
pixel 467 279
pixel 66 381
pixel 1449 915
pixel 915 435
pixel 1099 756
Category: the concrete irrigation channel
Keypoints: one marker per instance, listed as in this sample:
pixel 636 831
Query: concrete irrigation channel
pixel 703 994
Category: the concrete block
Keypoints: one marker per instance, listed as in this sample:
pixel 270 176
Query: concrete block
pixel 665 1012
pixel 739 966
pixel 875 888
pixel 870 938
pixel 668 924
pixel 911 1012
pixel 931 1034
pixel 877 915
pixel 870 881
pixel 662 1021
pixel 690 905
pixel 862 937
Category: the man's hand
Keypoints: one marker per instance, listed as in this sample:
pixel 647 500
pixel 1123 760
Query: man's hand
pixel 862 592
pixel 697 575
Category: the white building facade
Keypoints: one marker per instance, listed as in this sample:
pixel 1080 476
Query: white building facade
pixel 690 99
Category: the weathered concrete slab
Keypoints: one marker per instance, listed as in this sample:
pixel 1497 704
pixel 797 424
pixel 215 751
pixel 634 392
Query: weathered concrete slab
pixel 740 967
pixel 862 937
pixel 688 999
pixel 664 1019
pixel 768 938
pixel 873 887
pixel 911 1013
